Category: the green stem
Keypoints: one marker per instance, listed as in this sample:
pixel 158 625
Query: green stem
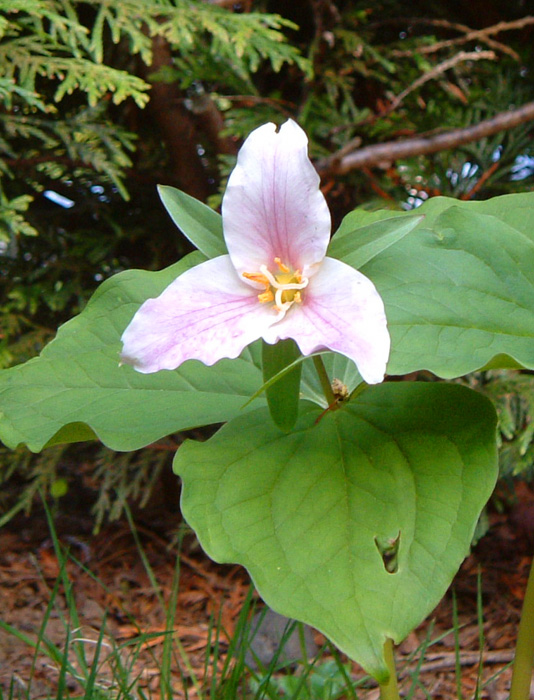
pixel 389 690
pixel 323 378
pixel 359 389
pixel 524 651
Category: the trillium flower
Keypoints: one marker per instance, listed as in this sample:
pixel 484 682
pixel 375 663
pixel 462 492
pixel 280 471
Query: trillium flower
pixel 275 282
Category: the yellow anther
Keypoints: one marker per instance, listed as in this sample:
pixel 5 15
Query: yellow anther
pixel 282 267
pixel 283 288
pixel 266 297
pixel 257 278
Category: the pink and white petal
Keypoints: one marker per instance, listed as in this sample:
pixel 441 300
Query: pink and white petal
pixel 206 314
pixel 341 311
pixel 273 206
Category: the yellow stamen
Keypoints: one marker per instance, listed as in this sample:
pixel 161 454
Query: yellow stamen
pixel 282 267
pixel 257 278
pixel 265 297
pixel 283 288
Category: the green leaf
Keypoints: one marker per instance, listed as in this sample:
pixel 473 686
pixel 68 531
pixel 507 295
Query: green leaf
pixel 356 245
pixel 337 367
pixel 76 388
pixel 313 514
pixel 283 395
pixel 459 290
pixel 200 224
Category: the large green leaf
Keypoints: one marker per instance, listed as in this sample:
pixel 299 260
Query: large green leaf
pixel 200 224
pixel 76 388
pixel 356 243
pixel 459 290
pixel 355 522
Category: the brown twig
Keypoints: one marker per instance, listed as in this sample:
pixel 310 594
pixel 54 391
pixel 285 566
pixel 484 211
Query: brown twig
pixel 448 659
pixel 472 35
pixel 374 184
pixel 480 182
pixel 438 70
pixel 439 662
pixel 433 48
pixel 395 150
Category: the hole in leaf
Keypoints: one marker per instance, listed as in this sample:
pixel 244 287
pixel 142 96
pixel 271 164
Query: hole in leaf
pixel 388 549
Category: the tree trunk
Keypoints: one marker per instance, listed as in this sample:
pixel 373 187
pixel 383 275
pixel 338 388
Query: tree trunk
pixel 176 124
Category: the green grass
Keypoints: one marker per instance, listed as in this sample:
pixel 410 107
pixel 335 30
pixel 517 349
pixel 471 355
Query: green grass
pixel 103 668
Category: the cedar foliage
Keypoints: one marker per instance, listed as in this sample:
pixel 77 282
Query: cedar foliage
pixel 102 99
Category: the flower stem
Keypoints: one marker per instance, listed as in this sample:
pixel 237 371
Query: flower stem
pixel 524 652
pixel 323 378
pixel 389 690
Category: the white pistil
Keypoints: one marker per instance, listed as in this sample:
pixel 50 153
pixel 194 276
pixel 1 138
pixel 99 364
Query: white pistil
pixel 283 287
pixel 282 306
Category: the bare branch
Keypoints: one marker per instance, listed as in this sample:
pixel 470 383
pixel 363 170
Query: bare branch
pixel 433 48
pixel 339 164
pixel 438 70
pixel 473 35
pixel 445 660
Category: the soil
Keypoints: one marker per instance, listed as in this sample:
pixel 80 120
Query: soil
pixel 111 587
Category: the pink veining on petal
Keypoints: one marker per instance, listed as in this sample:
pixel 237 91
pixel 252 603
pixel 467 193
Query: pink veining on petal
pixel 273 206
pixel 274 215
pixel 206 314
pixel 341 311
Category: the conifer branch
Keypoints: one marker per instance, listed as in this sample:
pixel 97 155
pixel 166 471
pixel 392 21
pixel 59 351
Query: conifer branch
pixel 340 163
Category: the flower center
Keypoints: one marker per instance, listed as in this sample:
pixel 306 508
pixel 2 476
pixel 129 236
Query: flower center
pixel 283 288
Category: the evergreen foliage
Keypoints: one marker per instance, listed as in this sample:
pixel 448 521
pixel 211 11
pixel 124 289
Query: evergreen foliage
pixel 78 118
pixel 52 49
